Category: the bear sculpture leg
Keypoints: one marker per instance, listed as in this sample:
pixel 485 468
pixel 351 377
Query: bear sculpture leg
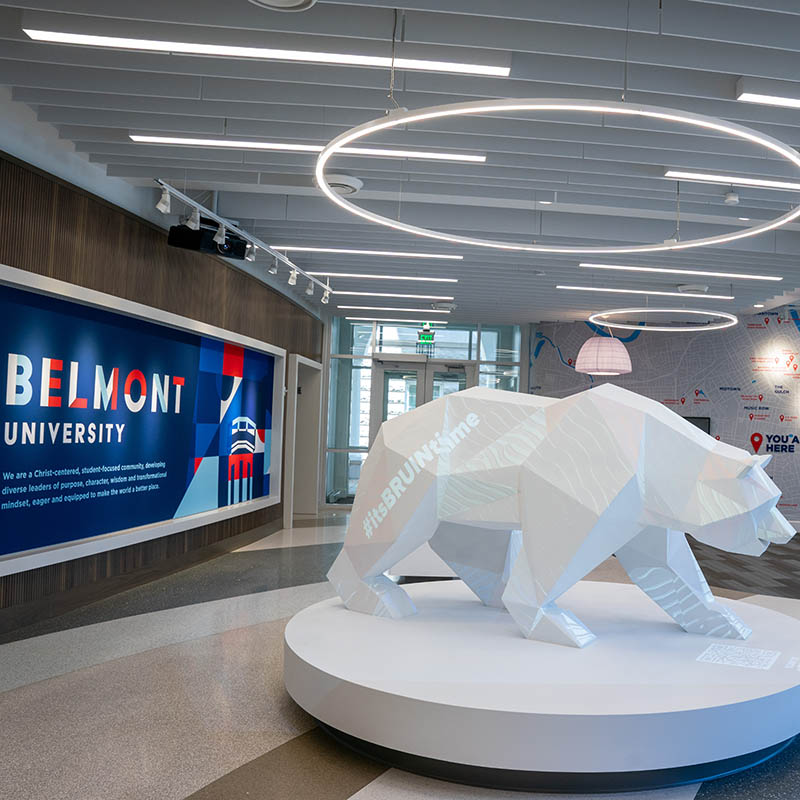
pixel 662 564
pixel 370 594
pixel 481 557
pixel 531 600
pixel 357 573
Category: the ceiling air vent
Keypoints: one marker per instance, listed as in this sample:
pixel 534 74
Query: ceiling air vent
pixel 284 5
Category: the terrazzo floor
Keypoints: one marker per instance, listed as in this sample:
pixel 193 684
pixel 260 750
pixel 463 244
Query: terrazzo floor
pixel 174 690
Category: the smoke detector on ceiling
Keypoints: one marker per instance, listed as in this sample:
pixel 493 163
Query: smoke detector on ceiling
pixel 344 184
pixel 731 199
pixel 284 5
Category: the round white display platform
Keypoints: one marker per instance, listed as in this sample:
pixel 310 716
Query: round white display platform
pixel 456 691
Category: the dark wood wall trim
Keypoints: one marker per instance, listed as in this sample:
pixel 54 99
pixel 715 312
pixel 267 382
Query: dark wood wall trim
pixel 45 592
pixel 52 228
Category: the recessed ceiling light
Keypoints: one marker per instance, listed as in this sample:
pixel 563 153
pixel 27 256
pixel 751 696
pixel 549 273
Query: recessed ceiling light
pixel 768 99
pixel 386 319
pixel 392 308
pixel 404 296
pixel 758 305
pixel 265 53
pixel 669 271
pixel 646 291
pixel 353 252
pixel 383 277
pixel 745 219
pixel 297 147
pixel 735 180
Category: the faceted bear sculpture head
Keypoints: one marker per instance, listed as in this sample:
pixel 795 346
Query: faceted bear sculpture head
pixel 747 501
pixel 719 494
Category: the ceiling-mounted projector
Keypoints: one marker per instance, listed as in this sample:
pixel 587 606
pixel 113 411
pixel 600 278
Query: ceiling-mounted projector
pixel 203 240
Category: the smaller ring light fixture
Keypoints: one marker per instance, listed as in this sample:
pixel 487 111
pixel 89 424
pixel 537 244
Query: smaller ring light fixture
pixel 724 319
pixel 603 355
pixel 395 119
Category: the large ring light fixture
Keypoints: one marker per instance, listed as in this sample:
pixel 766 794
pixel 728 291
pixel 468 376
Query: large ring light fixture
pixel 397 119
pixel 726 320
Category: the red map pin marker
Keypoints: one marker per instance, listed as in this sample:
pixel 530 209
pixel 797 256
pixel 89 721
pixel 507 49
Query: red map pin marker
pixel 696 392
pixel 776 360
pixel 766 320
pixel 755 440
pixel 760 398
pixel 791 358
pixel 683 400
pixel 781 417
pixel 751 416
pixel 569 361
pixel 717 438
pixel 794 366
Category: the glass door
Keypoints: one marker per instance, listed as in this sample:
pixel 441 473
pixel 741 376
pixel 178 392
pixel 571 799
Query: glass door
pixel 397 387
pixel 443 379
pixel 400 386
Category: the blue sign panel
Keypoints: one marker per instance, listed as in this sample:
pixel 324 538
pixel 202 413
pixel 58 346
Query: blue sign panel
pixel 110 422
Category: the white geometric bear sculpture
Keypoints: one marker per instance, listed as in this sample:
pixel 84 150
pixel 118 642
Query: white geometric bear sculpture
pixel 524 495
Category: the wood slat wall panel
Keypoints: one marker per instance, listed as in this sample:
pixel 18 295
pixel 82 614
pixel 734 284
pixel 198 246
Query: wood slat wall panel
pixel 54 229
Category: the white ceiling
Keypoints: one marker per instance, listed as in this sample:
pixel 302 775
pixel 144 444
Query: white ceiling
pixel 605 177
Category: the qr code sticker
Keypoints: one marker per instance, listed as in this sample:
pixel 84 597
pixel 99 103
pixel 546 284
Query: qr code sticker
pixel 735 656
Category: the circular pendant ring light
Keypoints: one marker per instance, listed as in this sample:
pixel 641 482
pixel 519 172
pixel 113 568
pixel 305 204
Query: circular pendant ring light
pixel 724 320
pixel 477 107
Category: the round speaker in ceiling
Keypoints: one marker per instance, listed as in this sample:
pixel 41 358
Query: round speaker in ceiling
pixel 284 5
pixel 344 184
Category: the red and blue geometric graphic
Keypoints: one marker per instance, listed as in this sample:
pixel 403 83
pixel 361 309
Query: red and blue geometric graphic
pixel 233 425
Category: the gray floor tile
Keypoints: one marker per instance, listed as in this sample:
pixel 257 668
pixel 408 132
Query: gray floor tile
pixel 776 779
pixel 229 575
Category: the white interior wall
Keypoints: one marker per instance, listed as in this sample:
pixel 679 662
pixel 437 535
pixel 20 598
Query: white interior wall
pixel 307 442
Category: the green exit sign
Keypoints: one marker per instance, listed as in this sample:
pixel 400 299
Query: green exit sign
pixel 425 337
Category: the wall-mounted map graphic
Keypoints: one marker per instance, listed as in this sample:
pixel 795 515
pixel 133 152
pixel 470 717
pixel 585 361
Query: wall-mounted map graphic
pixel 110 422
pixel 746 379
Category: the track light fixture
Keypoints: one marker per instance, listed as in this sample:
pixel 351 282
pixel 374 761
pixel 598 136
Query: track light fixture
pixel 326 295
pixel 163 205
pixel 233 241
